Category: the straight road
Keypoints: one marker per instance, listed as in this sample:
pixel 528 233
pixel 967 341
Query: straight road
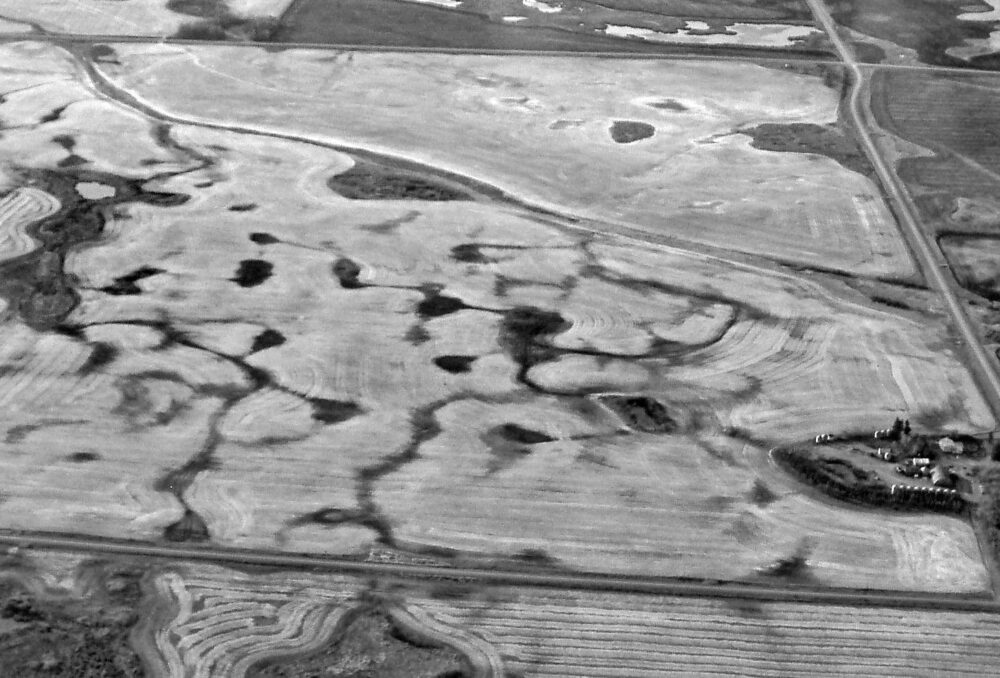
pixel 759 590
pixel 691 52
pixel 930 258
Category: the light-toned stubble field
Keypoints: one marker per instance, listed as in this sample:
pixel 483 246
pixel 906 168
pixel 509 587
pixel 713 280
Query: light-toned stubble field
pixel 283 367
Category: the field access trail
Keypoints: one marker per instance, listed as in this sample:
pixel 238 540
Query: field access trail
pixel 929 257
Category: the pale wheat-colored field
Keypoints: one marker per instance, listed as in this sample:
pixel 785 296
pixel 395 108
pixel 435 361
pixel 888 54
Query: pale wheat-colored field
pixel 539 128
pixel 733 348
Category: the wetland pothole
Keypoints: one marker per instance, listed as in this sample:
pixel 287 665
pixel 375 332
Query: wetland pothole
pixel 630 131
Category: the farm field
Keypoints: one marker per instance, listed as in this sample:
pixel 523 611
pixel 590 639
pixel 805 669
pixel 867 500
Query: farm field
pixel 545 131
pixel 566 25
pixel 557 633
pixel 953 182
pixel 617 401
pixel 976 263
pixel 200 620
pixel 936 32
pixel 129 17
pixel 949 168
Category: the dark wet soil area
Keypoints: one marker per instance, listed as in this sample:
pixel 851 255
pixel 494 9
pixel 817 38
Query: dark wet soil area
pixel 828 140
pixel 366 642
pixel 190 528
pixel 518 434
pixel 642 413
pixel 435 305
pixel 263 239
pixel 69 636
pixel 522 328
pixel 333 411
pixel 34 284
pixel 347 272
pixel 509 443
pixel 668 105
pixel 253 272
pixel 455 364
pixel 101 354
pixel 469 253
pixel 126 284
pixel 369 180
pixel 630 131
pixel 267 339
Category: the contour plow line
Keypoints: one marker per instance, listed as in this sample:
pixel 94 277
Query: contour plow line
pixel 485 660
pixel 19 209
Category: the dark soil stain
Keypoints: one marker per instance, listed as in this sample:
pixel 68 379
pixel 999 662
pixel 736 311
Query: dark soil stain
pixel 435 305
pixel 347 273
pixel 760 494
pixel 519 434
pixel 508 443
pixel 264 239
pixel 391 225
pixel 53 115
pixel 253 272
pixel 243 207
pixel 104 54
pixel 65 140
pixel 456 364
pixel 126 284
pixel 333 411
pixel 267 339
pixel 101 354
pixel 82 457
pixel 190 528
pixel 469 253
pixel 642 413
pixel 630 131
pixel 520 331
pixel 368 180
pixel 72 160
pixel 417 334
pixel 668 105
